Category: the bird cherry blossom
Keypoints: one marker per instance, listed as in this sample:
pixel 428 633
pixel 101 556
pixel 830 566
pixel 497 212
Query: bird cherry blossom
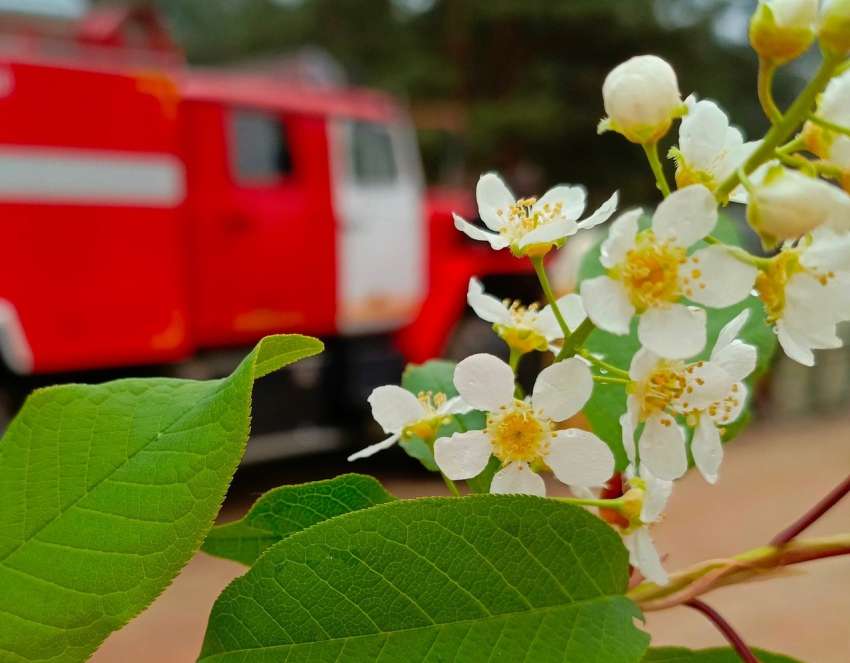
pixel 642 99
pixel 782 30
pixel 531 226
pixel 806 291
pixel 709 148
pixel 709 394
pixel 522 432
pixel 403 415
pixel 525 328
pixel 649 274
pixel 645 497
pixel 788 204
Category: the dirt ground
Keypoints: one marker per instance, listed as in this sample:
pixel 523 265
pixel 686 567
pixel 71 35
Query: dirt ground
pixel 771 474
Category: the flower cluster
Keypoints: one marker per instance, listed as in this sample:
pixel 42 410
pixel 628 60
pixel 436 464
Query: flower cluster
pixel 665 278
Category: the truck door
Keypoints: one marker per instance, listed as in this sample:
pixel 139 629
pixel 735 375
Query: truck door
pixel 264 227
pixel 378 195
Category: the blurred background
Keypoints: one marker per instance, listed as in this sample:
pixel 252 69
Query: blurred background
pixel 181 177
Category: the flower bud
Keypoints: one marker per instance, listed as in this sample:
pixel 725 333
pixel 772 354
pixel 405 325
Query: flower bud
pixel 834 107
pixel 782 30
pixel 834 30
pixel 788 205
pixel 641 99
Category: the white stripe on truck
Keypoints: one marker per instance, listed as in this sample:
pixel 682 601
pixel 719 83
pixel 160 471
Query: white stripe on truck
pixel 90 177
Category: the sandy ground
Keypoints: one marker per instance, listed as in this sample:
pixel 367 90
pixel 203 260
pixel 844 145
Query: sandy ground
pixel 771 475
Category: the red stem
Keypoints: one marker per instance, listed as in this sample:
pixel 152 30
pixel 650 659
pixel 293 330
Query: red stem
pixel 812 515
pixel 726 629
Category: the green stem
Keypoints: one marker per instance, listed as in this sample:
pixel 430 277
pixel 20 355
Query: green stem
pixel 740 254
pixel 782 130
pixel 602 365
pixel 606 380
pixel 767 68
pixel 651 150
pixel 826 124
pixel 513 360
pixel 614 505
pixel 573 344
pixel 550 297
pixel 451 486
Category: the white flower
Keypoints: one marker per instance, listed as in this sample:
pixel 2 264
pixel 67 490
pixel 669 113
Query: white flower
pixel 521 432
pixel 709 149
pixel 806 291
pixel 525 329
pixel 403 415
pixel 649 273
pixel 834 28
pixel 642 99
pixel 651 495
pixel 834 107
pixel 708 393
pixel 781 30
pixel 789 204
pixel 530 226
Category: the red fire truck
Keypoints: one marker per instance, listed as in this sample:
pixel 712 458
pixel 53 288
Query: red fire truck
pixel 156 219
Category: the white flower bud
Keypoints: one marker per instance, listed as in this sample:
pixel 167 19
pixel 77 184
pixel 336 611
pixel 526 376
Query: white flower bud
pixel 788 205
pixel 834 31
pixel 642 99
pixel 782 30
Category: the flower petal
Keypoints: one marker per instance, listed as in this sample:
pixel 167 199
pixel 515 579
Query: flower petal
pixel 493 196
pixel 621 238
pixel 702 134
pixel 485 382
pixel 707 449
pixel 487 307
pixel 730 331
pixel 643 363
pixel 730 408
pixel 375 448
pixel 645 557
pixel 463 455
pixel 548 233
pixel 394 408
pixel 738 359
pixel 662 447
pixel 628 424
pixel 562 389
pixel 713 277
pixel 602 214
pixel 579 458
pixel 607 304
pixel 686 215
pixel 454 406
pixel 793 347
pixel 518 479
pixel 496 241
pixel 657 493
pixel 676 332
pixel 573 200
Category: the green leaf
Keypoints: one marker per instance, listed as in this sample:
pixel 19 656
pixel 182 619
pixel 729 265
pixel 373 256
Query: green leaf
pixel 289 509
pixel 608 402
pixel 715 655
pixel 107 492
pixel 482 578
pixel 437 376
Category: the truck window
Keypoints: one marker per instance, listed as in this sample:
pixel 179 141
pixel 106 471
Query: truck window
pixel 373 160
pixel 260 147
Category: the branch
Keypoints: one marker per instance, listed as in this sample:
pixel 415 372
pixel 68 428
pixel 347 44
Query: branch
pixel 755 564
pixel 812 515
pixel 726 629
